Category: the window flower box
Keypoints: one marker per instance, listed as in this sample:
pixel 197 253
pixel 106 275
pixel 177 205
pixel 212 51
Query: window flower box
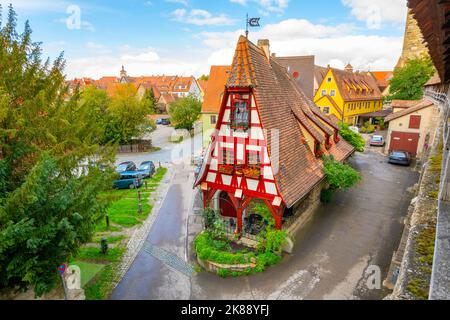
pixel 226 169
pixel 253 173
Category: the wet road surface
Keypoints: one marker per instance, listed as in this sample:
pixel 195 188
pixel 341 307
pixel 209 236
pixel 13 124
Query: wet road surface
pixel 150 277
pixel 361 228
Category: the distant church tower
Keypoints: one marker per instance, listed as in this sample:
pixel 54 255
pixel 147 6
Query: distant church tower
pixel 413 45
pixel 123 75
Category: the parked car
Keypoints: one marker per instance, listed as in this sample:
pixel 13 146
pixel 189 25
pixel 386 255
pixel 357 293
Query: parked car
pixel 126 166
pixel 377 141
pixel 165 122
pixel 147 169
pixel 159 121
pixel 129 180
pixel 354 129
pixel 400 157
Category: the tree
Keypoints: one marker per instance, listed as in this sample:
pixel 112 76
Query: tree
pixel 339 175
pixel 184 112
pixel 355 139
pixel 50 177
pixel 408 81
pixel 204 77
pixel 127 115
pixel 149 101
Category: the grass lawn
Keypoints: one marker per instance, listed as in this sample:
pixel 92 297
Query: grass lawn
pixel 88 270
pixel 97 270
pixel 94 254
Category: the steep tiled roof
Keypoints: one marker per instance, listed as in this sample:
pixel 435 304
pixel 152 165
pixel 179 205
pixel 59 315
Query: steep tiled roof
pixel 218 78
pixel 404 103
pixel 301 68
pixel 424 103
pixel 203 84
pixel 355 86
pixel 319 73
pixel 242 70
pixel 283 107
pixel 382 78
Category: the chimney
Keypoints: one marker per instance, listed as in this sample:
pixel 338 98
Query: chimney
pixel 274 55
pixel 264 44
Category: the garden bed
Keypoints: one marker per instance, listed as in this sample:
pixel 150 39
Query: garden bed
pixel 231 259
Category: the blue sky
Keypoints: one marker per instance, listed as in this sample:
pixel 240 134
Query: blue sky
pixel 187 36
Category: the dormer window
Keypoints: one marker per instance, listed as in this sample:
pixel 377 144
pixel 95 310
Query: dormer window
pixel 240 111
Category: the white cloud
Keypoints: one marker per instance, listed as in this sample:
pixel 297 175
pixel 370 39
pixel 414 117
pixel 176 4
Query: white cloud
pixel 331 44
pixel 267 5
pixel 376 13
pixel 334 45
pixel 137 62
pixel 201 17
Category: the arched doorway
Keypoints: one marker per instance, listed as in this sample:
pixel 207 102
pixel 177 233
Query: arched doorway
pixel 226 206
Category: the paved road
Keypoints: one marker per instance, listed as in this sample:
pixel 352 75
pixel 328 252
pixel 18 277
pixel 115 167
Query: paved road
pixel 361 227
pixel 169 153
pixel 151 277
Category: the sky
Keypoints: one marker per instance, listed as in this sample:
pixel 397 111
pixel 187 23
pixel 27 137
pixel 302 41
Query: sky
pixel 186 37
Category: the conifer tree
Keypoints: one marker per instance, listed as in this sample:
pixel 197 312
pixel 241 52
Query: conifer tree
pixel 50 164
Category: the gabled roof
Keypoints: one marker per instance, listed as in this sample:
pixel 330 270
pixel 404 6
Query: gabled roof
pixel 242 70
pixel 283 107
pixel 382 77
pixel 320 73
pixel 422 104
pixel 167 98
pixel 332 102
pixel 203 85
pixel 218 78
pixel 356 86
pixel 301 68
pixel 404 104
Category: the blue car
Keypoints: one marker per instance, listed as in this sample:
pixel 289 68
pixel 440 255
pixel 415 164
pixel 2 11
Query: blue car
pixel 147 169
pixel 129 180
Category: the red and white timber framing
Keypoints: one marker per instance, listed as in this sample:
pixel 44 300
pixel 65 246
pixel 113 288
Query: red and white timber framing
pixel 239 143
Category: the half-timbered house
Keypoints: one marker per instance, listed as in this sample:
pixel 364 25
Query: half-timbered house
pixel 269 140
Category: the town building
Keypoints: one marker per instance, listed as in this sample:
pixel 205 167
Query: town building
pixel 413 128
pixel 268 142
pixel 218 77
pixel 175 86
pixel 347 95
pixel 383 79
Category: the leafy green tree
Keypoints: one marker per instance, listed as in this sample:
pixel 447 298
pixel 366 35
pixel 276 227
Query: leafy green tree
pixel 408 81
pixel 204 77
pixel 127 115
pixel 184 112
pixel 97 102
pixel 149 101
pixel 50 177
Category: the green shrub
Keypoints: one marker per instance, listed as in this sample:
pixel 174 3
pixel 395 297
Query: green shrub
pixel 355 139
pixel 339 175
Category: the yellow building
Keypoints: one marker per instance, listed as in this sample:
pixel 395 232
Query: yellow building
pixel 348 95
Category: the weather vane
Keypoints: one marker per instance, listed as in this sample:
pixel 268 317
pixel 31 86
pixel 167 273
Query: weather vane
pixel 252 22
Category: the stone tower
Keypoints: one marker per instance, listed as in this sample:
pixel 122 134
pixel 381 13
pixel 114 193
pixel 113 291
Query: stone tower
pixel 413 44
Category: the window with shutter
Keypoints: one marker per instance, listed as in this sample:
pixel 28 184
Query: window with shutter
pixel 414 122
